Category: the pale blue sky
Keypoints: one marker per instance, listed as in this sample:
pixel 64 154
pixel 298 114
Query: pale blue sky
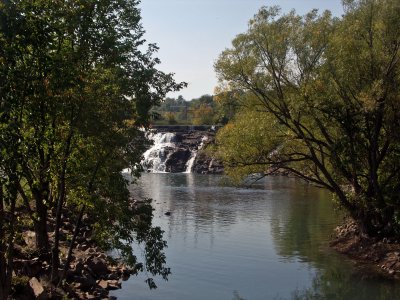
pixel 192 33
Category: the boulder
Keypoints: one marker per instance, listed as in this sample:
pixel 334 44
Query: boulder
pixel 29 238
pixel 176 162
pixel 37 289
pixel 84 282
pixel 30 268
pixel 98 266
pixel 109 284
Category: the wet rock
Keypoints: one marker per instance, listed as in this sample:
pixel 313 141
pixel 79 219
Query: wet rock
pixel 186 144
pixel 176 162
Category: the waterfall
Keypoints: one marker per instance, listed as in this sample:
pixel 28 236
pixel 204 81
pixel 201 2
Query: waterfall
pixel 155 158
pixel 190 162
pixel 173 152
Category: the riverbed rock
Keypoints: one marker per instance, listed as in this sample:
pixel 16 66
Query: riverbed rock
pixel 176 162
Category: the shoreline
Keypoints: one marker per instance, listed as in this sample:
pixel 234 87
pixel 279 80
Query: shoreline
pixel 379 257
pixel 92 273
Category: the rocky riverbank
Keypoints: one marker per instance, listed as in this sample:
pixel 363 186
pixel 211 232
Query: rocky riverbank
pixel 92 273
pixel 380 256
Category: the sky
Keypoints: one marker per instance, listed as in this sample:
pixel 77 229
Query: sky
pixel 192 33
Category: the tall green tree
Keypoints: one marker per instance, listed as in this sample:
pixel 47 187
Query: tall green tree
pixel 328 89
pixel 77 84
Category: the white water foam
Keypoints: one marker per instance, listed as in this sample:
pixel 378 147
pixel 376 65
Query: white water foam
pixel 190 162
pixel 155 158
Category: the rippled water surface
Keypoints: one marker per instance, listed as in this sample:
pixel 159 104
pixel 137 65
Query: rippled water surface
pixel 268 242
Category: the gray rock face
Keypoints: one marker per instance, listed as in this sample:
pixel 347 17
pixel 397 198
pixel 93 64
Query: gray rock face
pixel 205 164
pixel 176 162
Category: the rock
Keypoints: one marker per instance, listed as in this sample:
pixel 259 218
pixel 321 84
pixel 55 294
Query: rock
pixel 38 289
pixel 205 164
pixel 109 284
pixel 113 276
pixel 90 251
pixel 103 284
pixel 98 266
pixel 84 282
pixel 168 213
pixel 82 247
pixel 30 268
pixel 113 285
pixel 185 144
pixel 176 162
pixel 29 238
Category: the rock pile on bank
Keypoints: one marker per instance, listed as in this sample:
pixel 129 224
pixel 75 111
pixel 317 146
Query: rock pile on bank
pixel 381 255
pixel 91 273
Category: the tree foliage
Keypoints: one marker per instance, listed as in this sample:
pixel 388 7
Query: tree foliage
pixel 328 93
pixel 198 111
pixel 77 82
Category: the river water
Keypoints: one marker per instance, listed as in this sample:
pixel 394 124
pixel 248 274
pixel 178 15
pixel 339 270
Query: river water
pixel 267 242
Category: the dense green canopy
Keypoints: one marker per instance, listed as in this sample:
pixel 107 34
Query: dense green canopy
pixel 320 98
pixel 77 81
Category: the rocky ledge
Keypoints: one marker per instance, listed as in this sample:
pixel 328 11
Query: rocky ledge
pixel 189 143
pixel 380 256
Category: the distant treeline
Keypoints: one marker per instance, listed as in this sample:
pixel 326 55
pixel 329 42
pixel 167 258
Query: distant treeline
pixel 205 110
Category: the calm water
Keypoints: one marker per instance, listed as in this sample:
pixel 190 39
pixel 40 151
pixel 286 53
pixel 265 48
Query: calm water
pixel 269 242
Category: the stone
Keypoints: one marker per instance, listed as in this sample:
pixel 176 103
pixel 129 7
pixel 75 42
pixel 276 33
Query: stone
pixel 30 268
pixel 113 285
pixel 97 266
pixel 29 238
pixel 38 289
pixel 103 284
pixel 85 282
pixel 177 160
pixel 113 276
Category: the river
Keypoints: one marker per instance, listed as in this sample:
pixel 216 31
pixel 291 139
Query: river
pixel 267 242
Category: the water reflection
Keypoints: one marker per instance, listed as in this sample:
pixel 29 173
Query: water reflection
pixel 269 242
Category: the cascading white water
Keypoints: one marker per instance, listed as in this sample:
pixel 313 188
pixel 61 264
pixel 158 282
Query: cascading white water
pixel 155 158
pixel 190 162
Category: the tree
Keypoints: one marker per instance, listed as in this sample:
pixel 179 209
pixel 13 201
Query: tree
pixel 77 84
pixel 330 88
pixel 203 115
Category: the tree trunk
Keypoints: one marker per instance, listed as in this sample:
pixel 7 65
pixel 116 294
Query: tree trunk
pixel 40 225
pixel 60 203
pixel 3 262
pixel 6 244
pixel 72 244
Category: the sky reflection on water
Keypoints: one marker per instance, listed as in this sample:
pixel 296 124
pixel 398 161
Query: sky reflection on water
pixel 264 243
